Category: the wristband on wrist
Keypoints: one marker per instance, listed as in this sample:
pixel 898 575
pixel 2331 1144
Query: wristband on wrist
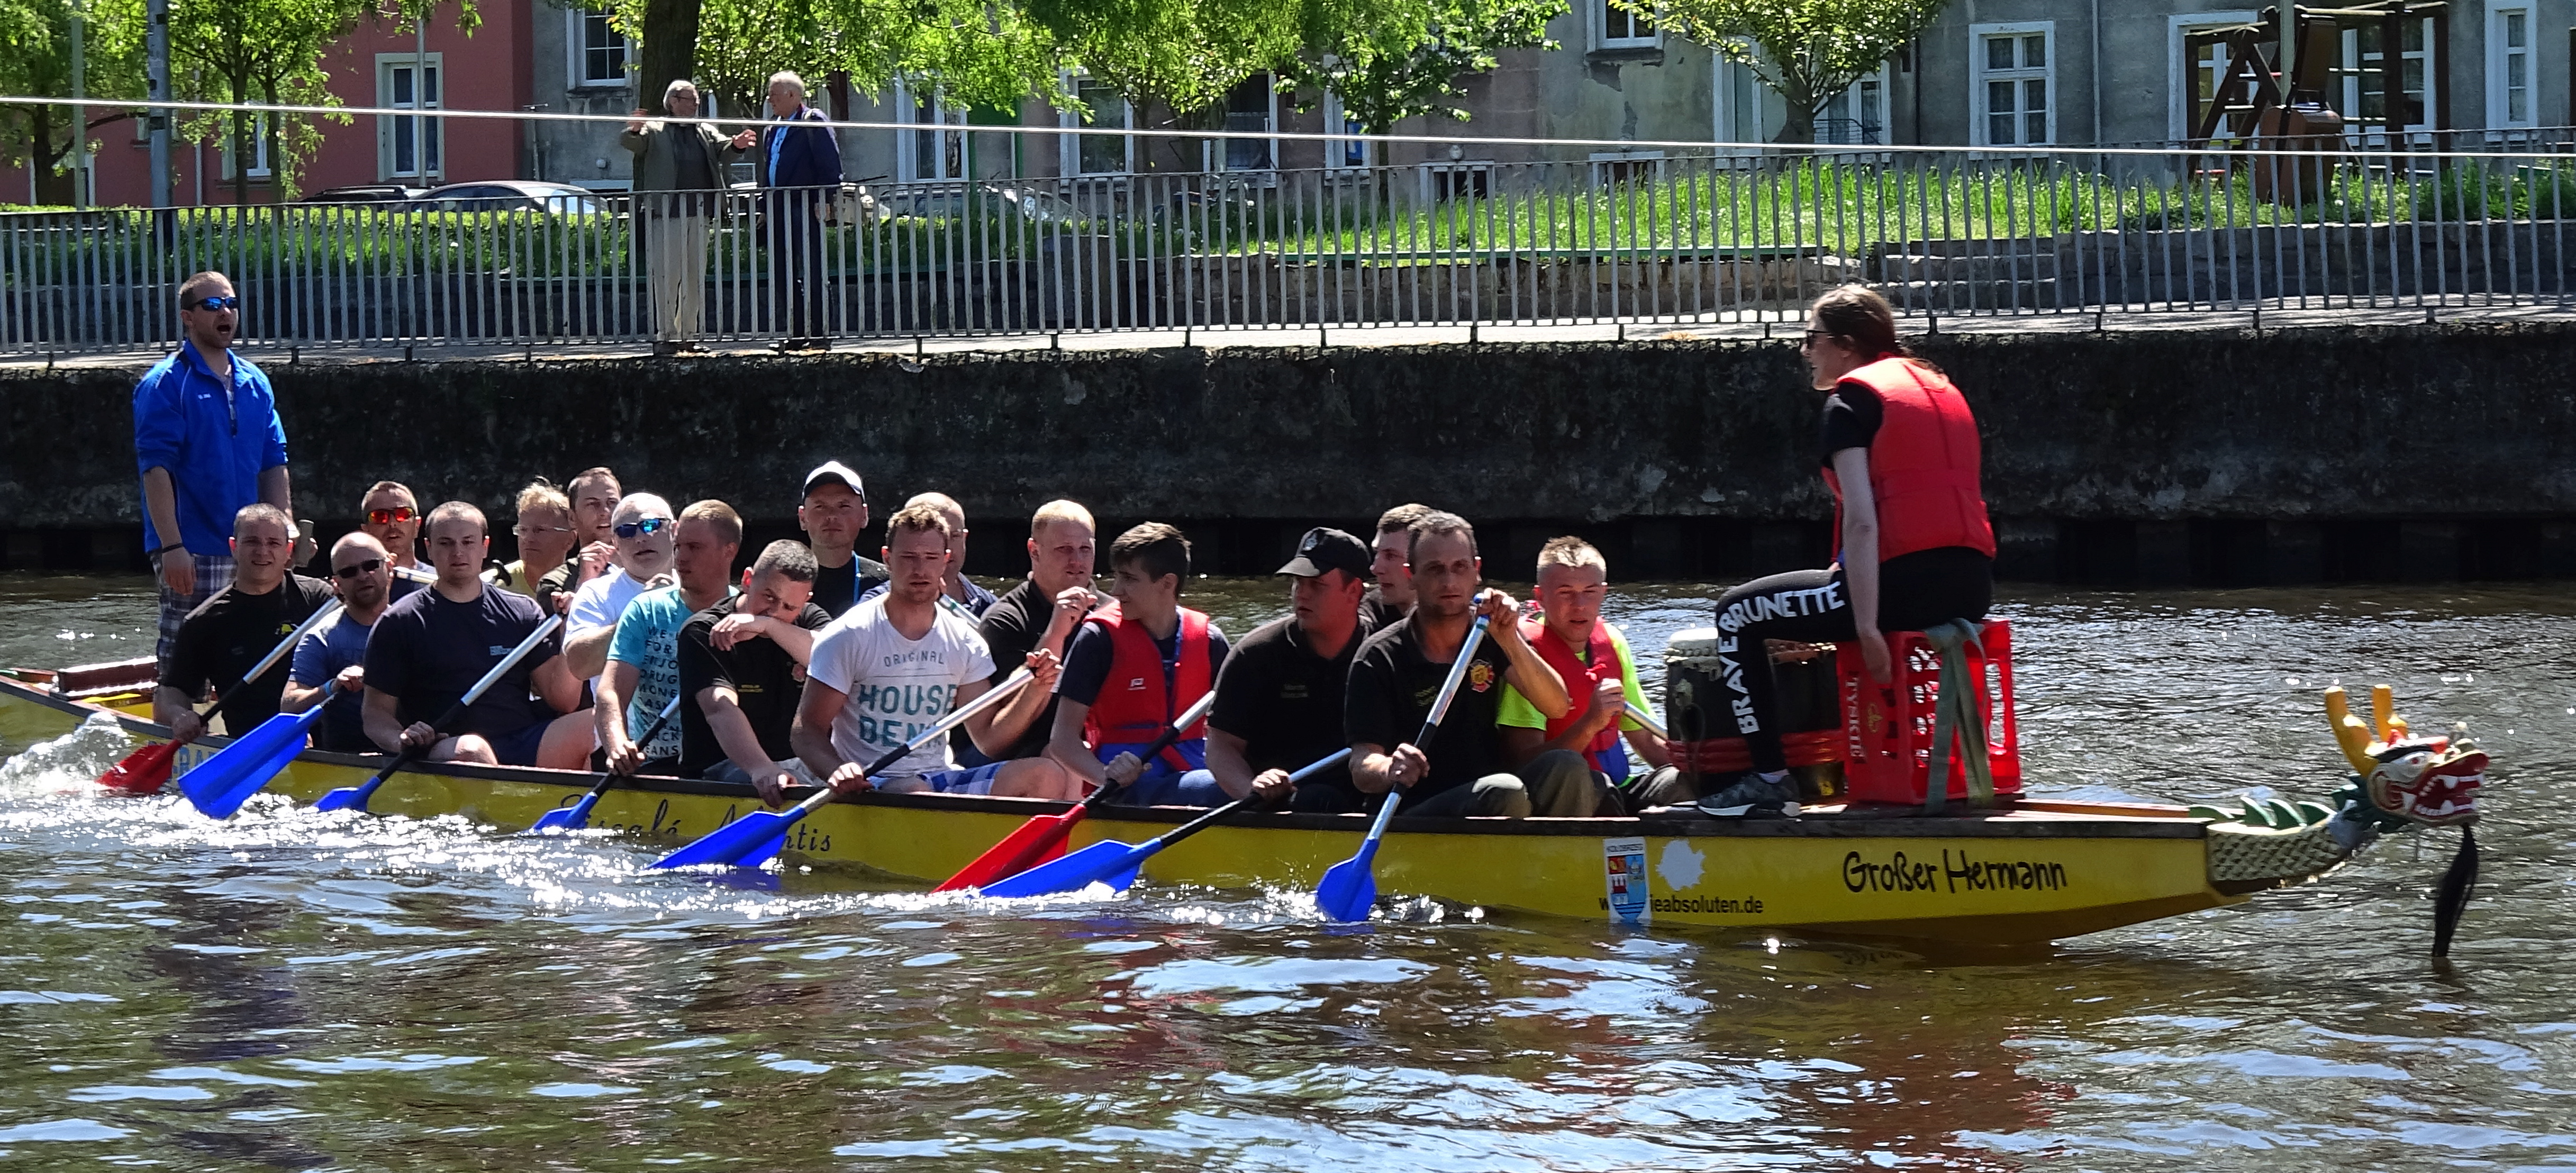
pixel 168 548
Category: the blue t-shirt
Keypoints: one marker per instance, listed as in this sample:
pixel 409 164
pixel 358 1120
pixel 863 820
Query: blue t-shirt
pixel 214 444
pixel 319 657
pixel 648 636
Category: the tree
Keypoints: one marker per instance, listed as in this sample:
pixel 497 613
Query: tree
pixel 35 58
pixel 1389 60
pixel 1807 51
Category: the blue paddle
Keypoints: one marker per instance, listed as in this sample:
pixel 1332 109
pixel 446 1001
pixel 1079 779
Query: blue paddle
pixel 355 797
pixel 751 840
pixel 147 770
pixel 1113 863
pixel 577 816
pixel 1349 888
pixel 221 784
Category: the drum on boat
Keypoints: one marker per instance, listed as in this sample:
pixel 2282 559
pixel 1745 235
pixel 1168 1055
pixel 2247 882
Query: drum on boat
pixel 1695 715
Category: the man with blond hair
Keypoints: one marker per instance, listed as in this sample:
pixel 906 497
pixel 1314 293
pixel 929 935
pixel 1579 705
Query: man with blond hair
pixel 643 671
pixel 899 663
pixel 545 538
pixel 1043 610
pixel 1592 659
pixel 956 585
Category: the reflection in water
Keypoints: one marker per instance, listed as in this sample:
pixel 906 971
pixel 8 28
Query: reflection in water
pixel 297 990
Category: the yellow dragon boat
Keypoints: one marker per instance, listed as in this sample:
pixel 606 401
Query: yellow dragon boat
pixel 2024 870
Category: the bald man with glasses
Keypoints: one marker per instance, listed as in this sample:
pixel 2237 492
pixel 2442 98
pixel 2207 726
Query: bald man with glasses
pixel 337 651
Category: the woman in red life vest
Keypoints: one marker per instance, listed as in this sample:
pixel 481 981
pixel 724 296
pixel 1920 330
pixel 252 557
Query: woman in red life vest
pixel 1913 547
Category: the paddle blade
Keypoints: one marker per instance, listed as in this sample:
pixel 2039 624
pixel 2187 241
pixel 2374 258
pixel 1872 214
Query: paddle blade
pixel 744 842
pixel 145 771
pixel 349 797
pixel 1034 842
pixel 1349 888
pixel 220 785
pixel 1074 871
pixel 568 818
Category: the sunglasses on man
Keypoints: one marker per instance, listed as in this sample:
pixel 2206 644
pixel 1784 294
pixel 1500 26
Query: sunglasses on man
pixel 650 525
pixel 354 569
pixel 214 304
pixel 390 516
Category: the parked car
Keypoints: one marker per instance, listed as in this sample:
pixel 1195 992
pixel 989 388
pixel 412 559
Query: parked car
pixel 513 195
pixel 365 193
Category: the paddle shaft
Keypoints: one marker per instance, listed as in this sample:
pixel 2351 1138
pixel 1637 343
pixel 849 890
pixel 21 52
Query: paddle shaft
pixel 650 732
pixel 1210 819
pixel 234 691
pixel 1430 725
pixel 456 712
pixel 886 761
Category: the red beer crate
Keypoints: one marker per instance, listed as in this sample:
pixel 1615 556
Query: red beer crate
pixel 1887 729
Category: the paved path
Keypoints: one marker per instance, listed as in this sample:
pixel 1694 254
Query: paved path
pixel 1761 325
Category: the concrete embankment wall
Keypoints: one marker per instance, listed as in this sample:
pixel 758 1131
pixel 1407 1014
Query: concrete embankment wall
pixel 2127 458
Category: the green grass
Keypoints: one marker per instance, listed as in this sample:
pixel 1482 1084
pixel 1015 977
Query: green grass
pixel 1689 210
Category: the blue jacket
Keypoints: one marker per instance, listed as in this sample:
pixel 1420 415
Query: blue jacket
pixel 215 451
pixel 799 156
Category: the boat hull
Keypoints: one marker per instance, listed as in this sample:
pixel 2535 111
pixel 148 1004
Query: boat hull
pixel 2010 877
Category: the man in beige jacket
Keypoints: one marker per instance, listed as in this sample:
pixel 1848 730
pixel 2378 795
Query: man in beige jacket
pixel 679 182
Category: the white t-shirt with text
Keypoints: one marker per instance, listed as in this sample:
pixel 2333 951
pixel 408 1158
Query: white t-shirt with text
pixel 897 687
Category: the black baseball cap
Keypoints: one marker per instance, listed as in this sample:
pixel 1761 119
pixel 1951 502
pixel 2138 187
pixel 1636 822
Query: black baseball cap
pixel 1323 549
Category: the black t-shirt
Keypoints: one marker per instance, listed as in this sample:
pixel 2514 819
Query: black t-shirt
pixel 427 651
pixel 1285 701
pixel 837 588
pixel 1852 415
pixel 763 678
pixel 1390 692
pixel 1087 657
pixel 1376 614
pixel 1011 628
pixel 227 634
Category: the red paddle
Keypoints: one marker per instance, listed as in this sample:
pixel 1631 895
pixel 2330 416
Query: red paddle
pixel 147 770
pixel 1042 838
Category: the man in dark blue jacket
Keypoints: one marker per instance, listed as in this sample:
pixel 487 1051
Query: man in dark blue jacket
pixel 207 442
pixel 802 167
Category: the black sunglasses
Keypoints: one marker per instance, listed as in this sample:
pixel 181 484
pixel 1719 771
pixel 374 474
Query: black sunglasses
pixel 211 304
pixel 353 570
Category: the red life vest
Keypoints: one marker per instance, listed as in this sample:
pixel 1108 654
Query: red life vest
pixel 1580 679
pixel 1923 464
pixel 1133 708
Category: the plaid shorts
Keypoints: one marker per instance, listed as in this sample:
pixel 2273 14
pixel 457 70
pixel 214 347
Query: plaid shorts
pixel 214 573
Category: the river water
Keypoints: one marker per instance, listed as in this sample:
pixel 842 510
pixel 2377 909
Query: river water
pixel 301 991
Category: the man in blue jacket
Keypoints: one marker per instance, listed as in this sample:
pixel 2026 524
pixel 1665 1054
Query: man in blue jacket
pixel 207 442
pixel 802 167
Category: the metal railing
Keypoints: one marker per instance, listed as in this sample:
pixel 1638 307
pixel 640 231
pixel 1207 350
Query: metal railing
pixel 1720 235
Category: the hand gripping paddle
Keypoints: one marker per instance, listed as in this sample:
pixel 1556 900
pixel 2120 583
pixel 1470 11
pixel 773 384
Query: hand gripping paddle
pixel 355 797
pixel 1032 841
pixel 147 770
pixel 749 841
pixel 1349 889
pixel 577 816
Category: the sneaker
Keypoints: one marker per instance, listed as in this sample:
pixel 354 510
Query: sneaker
pixel 665 349
pixel 1754 793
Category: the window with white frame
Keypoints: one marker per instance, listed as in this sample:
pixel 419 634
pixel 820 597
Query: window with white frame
pixel 257 130
pixel 1614 27
pixel 1342 152
pixel 598 50
pixel 1742 104
pixel 2193 73
pixel 406 83
pixel 928 152
pixel 2014 95
pixel 1098 154
pixel 1252 107
pixel 1856 117
pixel 2365 86
pixel 2509 68
pixel 1465 180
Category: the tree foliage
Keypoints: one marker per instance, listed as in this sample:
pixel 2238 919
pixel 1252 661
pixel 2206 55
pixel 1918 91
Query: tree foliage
pixel 1387 62
pixel 1807 51
pixel 36 58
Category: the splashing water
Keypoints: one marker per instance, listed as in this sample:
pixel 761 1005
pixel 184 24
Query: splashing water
pixel 69 762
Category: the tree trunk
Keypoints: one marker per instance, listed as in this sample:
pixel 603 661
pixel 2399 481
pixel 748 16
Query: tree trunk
pixel 52 188
pixel 1798 95
pixel 670 37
